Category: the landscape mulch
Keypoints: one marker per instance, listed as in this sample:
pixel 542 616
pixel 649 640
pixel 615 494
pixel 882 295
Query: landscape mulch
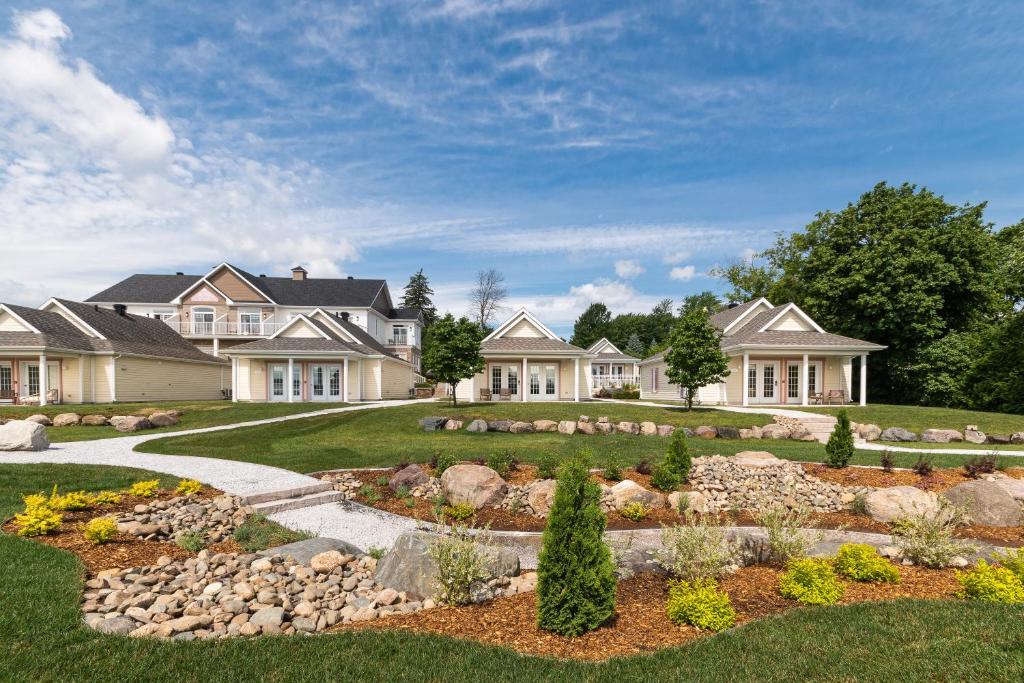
pixel 640 624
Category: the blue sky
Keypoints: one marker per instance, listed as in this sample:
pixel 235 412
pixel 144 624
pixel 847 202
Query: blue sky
pixel 591 151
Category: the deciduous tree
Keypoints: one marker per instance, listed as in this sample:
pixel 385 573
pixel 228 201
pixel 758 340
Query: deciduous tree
pixel 454 351
pixel 696 358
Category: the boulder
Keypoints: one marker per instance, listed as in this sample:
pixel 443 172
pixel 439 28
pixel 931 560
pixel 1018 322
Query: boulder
pixel 95 420
pixel 728 433
pixel 604 427
pixel 627 428
pixel 23 435
pixel 1015 487
pixel 941 436
pixel 567 427
pixel 327 562
pixel 453 425
pixel 522 428
pixel 998 438
pixel 666 430
pixel 164 419
pixel 432 423
pixel 1017 438
pixel 477 426
pixel 603 419
pixel 584 418
pixel 475 485
pixel 133 423
pixel 409 477
pixel 545 425
pixel 408 567
pixel 869 432
pixel 541 496
pixel 775 431
pixel 897 434
pixel 628 491
pixel 695 501
pixel 801 433
pixel 585 428
pixel 648 428
pixel 499 425
pixel 752 433
pixel 115 420
pixel 705 432
pixel 974 435
pixel 756 459
pixel 888 504
pixel 67 420
pixel 986 503
pixel 40 419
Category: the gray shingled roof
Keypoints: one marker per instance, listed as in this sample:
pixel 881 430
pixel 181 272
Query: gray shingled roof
pixel 336 344
pixel 128 334
pixel 527 344
pixel 328 292
pixel 723 319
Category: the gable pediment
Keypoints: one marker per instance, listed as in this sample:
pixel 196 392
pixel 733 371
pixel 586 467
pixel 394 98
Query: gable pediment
pixel 234 287
pixel 301 329
pixel 204 295
pixel 790 322
pixel 11 323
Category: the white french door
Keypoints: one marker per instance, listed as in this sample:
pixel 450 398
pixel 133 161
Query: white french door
pixel 30 380
pixel 6 381
pixel 278 381
pixel 763 382
pixel 324 382
pixel 794 385
pixel 543 383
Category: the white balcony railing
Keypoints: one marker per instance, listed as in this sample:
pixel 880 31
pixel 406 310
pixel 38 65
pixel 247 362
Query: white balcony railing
pixel 614 381
pixel 221 328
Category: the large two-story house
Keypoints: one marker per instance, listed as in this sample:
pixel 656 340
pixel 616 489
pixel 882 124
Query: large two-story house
pixel 229 306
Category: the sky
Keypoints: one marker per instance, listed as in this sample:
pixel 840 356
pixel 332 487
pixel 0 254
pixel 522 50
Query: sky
pixel 590 151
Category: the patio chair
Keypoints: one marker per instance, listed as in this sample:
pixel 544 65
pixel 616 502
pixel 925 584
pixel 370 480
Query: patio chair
pixel 817 398
pixel 505 395
pixel 485 395
pixel 836 396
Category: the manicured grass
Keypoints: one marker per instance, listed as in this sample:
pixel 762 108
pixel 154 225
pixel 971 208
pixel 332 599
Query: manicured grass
pixel 388 436
pixel 195 415
pixel 259 533
pixel 18 480
pixel 43 638
pixel 919 418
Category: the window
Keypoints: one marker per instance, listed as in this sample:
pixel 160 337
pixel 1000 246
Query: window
pixel 812 378
pixel 335 380
pixel 202 321
pixel 277 381
pixel 249 322
pixel 399 335
pixel 549 377
pixel 793 381
pixel 495 379
pixel 513 380
pixel 6 380
pixel 752 381
pixel 162 314
pixel 297 380
pixel 654 379
pixel 534 382
pixel 33 380
pixel 768 375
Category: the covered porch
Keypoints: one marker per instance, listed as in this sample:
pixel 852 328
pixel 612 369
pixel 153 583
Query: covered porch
pixel 532 378
pixel 297 378
pixel 796 379
pixel 23 383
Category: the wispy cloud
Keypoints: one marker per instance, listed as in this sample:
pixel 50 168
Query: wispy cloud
pixel 683 273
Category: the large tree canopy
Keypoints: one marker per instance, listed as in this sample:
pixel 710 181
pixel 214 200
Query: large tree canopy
pixel 591 325
pixel 696 357
pixel 454 351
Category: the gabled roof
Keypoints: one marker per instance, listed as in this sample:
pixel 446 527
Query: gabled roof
pixel 598 347
pixel 548 342
pixel 735 316
pixel 336 336
pixel 146 289
pixel 406 313
pixel 127 334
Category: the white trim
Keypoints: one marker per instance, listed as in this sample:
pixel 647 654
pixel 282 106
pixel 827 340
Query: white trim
pixel 92 379
pixel 81 379
pixel 747 312
pixel 113 379
pixel 796 309
pixel 52 301
pixel 593 347
pixel 863 379
pixel 302 317
pixel 225 264
pixel 178 299
pixel 336 325
pixel 5 307
pixel 820 349
pixel 521 314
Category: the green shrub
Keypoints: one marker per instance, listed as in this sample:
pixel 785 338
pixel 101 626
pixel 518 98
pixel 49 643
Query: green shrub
pixel 186 487
pixel 861 562
pixel 192 541
pixel 443 461
pixel 839 448
pixel 859 506
pixel 613 470
pixel 37 520
pixel 635 511
pixel 459 512
pixel 787 537
pixel 665 478
pixel 259 533
pixel 106 498
pixel 409 502
pixel 1012 560
pixel 696 549
pixel 575 573
pixel 376 551
pixel 700 603
pixel 677 455
pixel 100 530
pixel 461 560
pixel 988 583
pixel 503 462
pixel 144 489
pixel 812 582
pixel 383 480
pixel 927 538
pixel 370 493
pixel 402 491
pixel 547 466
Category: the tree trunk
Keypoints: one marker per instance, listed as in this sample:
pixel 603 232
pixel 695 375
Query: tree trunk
pixel 689 399
pixel 454 397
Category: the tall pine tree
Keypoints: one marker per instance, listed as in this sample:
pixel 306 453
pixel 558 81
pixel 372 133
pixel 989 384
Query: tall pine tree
pixel 417 295
pixel 635 347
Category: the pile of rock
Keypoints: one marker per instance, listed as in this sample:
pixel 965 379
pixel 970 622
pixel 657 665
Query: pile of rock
pixel 534 498
pixel 971 434
pixel 123 423
pixel 163 520
pixel 345 483
pixel 223 595
pixel 757 479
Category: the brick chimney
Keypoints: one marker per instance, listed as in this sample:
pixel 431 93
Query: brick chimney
pixel 299 273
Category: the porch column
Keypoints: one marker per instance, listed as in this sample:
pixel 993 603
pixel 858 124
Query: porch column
pixel 216 346
pixel 576 379
pixel 522 381
pixel 344 379
pixel 746 378
pixel 864 379
pixel 291 381
pixel 81 379
pixel 234 379
pixel 804 381
pixel 359 379
pixel 43 379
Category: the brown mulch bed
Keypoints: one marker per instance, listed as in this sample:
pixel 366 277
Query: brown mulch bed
pixel 938 480
pixel 640 624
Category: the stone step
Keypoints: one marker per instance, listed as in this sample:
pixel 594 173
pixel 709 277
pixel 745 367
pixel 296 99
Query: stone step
pixel 295 492
pixel 294 503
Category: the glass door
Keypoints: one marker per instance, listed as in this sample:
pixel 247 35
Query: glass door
pixel 202 321
pixel 325 382
pixel 277 382
pixel 534 393
pixel 550 382
pixel 297 381
pixel 6 381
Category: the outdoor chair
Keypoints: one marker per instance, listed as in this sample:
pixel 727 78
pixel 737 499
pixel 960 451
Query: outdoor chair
pixel 817 398
pixel 506 395
pixel 837 396
pixel 485 395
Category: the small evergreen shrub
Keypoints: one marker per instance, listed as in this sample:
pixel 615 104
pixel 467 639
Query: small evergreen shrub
pixel 1012 560
pixel 100 530
pixel 927 538
pixel 677 455
pixel 461 560
pixel 145 489
pixel 861 562
pixel 187 487
pixel 923 466
pixel 443 461
pixel 700 603
pixel 460 512
pixel 503 462
pixel 35 500
pixel 812 582
pixel 612 471
pixel 643 467
pixel 665 478
pixel 383 480
pixel 787 538
pixel 634 511
pixel 192 541
pixel 575 573
pixel 859 506
pixel 70 501
pixel 696 549
pixel 38 520
pixel 547 466
pixel 409 502
pixel 839 448
pixel 376 551
pixel 989 583
pixel 886 461
pixel 107 498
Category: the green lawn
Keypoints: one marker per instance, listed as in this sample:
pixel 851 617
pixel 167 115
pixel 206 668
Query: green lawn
pixel 43 638
pixel 388 436
pixel 195 415
pixel 919 418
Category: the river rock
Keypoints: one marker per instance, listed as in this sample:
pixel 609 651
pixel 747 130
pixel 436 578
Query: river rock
pixel 986 503
pixel 23 435
pixel 475 485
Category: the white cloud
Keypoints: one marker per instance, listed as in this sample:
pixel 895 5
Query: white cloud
pixel 674 257
pixel 748 255
pixel 683 273
pixel 43 27
pixel 628 269
pixel 471 9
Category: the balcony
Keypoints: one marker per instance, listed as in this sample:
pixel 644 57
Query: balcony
pixel 398 341
pixel 222 328
pixel 614 381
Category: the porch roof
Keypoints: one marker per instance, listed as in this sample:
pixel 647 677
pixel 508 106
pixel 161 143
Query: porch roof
pixel 530 345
